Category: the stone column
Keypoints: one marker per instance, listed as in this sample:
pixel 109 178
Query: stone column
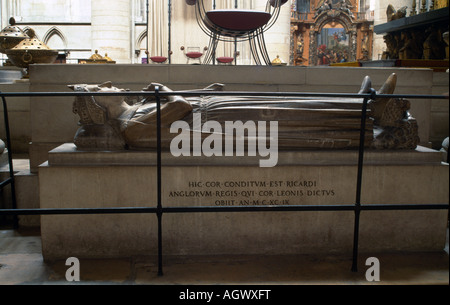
pixel 278 37
pixel 111 29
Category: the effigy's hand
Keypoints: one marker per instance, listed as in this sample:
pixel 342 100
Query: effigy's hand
pixel 152 87
pixel 215 87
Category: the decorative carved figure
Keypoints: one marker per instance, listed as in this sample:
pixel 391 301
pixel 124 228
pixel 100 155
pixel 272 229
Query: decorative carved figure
pixel 433 46
pixel 300 47
pixel 346 8
pixel 412 47
pixel 445 37
pixel 365 47
pixel 393 14
pixel 326 6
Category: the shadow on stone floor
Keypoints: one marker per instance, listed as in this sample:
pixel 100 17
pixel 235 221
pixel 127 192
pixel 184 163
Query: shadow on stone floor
pixel 21 262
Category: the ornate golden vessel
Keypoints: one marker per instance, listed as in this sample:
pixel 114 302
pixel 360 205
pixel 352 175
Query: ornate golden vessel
pixel 96 59
pixel 31 51
pixel 278 62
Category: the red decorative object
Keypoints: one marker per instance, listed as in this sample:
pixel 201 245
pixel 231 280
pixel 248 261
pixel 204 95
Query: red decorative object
pixel 159 59
pixel 225 60
pixel 239 20
pixel 234 25
pixel 194 55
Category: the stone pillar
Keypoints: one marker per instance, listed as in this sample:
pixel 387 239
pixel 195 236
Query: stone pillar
pixel 111 29
pixel 278 37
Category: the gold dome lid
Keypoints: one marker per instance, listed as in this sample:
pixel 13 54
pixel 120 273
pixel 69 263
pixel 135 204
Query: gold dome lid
pixel 278 61
pixel 12 30
pixel 96 56
pixel 11 35
pixel 31 43
pixel 107 57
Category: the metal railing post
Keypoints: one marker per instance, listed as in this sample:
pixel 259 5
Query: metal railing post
pixel 362 141
pixel 11 179
pixel 159 209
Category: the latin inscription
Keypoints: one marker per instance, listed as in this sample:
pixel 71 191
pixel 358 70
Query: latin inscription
pixel 252 192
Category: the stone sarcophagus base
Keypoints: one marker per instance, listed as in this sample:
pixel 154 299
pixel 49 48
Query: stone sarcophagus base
pixel 82 179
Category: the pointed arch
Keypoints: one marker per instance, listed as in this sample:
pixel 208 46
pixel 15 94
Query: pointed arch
pixel 140 46
pixel 52 32
pixel 341 18
pixel 141 38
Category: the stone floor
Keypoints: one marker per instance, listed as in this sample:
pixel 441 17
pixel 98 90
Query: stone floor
pixel 21 263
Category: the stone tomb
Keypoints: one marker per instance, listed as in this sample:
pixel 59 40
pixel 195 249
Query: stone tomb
pixel 86 179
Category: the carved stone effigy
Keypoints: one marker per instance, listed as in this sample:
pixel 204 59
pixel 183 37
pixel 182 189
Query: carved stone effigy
pixel 3 155
pixel 111 123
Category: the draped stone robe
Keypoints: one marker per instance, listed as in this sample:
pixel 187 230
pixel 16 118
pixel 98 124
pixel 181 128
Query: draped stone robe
pixel 302 122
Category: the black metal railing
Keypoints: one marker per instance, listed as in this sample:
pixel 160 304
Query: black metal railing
pixel 10 180
pixel 159 210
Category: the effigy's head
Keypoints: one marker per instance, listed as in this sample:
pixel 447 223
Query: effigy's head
pixel 107 87
pixel 95 109
pixel 98 128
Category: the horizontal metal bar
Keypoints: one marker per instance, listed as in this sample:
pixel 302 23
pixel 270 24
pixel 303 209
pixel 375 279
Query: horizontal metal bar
pixel 258 208
pixel 79 211
pixel 5 182
pixel 223 93
pixel 169 93
pixel 227 209
pixel 403 207
pixel 305 208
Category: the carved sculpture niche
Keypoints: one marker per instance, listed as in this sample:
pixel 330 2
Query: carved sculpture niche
pixel 332 32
